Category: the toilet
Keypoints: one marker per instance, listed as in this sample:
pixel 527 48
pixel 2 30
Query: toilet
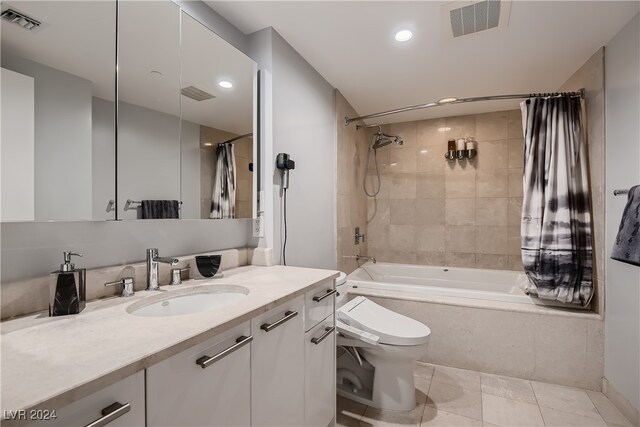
pixel 377 348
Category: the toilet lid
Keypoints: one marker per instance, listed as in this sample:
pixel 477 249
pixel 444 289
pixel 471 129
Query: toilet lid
pixel 392 328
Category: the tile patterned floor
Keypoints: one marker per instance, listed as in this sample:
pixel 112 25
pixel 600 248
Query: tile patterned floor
pixel 457 397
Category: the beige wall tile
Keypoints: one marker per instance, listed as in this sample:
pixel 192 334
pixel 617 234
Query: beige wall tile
pixel 464 260
pixel 378 212
pixel 460 183
pixel 516 153
pixel 431 133
pixel 491 211
pixel 492 126
pixel 515 263
pixel 515 182
pixel 492 183
pixel 383 160
pixel 460 127
pixel 460 239
pixel 492 154
pixel 402 186
pixel 403 160
pixel 515 124
pixel 514 214
pixel 514 242
pixel 403 212
pixel 430 238
pixel 430 258
pixel 402 237
pixel 429 185
pixel 402 256
pixel 430 211
pixel 492 262
pixel 407 131
pixel 460 211
pixel 378 237
pixel 430 159
pixel 491 240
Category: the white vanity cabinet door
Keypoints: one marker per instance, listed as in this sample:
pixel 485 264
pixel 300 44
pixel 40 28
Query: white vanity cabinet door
pixel 319 303
pixel 320 374
pixel 180 392
pixel 104 405
pixel 277 366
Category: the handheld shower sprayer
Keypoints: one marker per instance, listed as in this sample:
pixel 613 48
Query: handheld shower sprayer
pixel 380 139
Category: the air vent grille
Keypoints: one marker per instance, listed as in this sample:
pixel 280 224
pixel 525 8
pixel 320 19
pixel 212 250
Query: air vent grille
pixel 475 17
pixel 196 94
pixel 20 19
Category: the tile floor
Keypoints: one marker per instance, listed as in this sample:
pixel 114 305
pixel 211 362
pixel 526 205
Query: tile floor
pixel 457 397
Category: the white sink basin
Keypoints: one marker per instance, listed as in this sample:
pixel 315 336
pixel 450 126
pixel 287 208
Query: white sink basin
pixel 189 301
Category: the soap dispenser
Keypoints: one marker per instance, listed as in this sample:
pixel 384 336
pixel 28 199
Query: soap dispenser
pixel 67 288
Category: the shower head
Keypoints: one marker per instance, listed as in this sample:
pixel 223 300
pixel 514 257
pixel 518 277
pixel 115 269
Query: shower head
pixel 382 140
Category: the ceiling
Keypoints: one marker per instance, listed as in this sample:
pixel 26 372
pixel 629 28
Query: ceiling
pixel 352 45
pixel 152 38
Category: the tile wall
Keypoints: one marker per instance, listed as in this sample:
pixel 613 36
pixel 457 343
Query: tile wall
pixel 463 214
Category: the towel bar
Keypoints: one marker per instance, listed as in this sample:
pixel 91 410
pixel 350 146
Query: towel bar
pixel 127 205
pixel 620 192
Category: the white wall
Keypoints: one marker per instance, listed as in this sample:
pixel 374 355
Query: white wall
pixel 104 157
pixel 304 127
pixel 18 192
pixel 622 291
pixel 63 161
pixel 190 170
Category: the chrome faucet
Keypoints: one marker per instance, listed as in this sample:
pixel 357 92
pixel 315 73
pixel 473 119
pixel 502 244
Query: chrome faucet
pixel 361 257
pixel 152 267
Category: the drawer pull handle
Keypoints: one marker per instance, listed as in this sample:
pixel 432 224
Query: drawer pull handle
pixel 206 361
pixel 328 294
pixel 328 331
pixel 270 326
pixel 110 413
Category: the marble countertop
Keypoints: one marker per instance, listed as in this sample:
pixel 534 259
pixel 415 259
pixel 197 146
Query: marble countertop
pixel 49 362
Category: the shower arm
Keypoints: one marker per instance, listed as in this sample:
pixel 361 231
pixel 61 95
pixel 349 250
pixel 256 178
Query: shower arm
pixel 347 120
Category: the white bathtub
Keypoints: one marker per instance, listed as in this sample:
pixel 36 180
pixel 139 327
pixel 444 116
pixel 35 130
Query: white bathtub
pixel 494 285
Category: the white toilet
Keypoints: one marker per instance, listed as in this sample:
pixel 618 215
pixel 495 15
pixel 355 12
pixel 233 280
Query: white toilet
pixel 376 351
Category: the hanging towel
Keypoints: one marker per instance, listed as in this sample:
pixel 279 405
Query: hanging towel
pixel 556 220
pixel 626 248
pixel 160 209
pixel 223 199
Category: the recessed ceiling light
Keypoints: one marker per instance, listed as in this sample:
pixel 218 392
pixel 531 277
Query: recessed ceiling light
pixel 447 100
pixel 404 35
pixel 225 84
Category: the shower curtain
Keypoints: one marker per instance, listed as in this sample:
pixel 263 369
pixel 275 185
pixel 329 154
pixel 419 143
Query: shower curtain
pixel 556 221
pixel 223 199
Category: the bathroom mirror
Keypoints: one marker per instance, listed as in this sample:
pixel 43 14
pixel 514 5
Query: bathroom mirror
pixel 58 92
pixel 183 91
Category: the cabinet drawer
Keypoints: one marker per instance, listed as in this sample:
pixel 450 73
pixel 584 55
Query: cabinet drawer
pixel 320 374
pixel 319 303
pixel 206 385
pixel 110 403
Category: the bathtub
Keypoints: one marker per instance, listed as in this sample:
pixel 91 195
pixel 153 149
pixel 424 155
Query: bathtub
pixel 469 283
pixel 482 320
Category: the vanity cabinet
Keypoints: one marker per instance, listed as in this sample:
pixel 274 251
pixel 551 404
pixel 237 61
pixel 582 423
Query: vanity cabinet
pixel 320 373
pixel 206 385
pixel 277 365
pixel 118 405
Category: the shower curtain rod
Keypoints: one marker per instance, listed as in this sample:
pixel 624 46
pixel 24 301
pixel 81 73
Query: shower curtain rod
pixel 246 135
pixel 449 101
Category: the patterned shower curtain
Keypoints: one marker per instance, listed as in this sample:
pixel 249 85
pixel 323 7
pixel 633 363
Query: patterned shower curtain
pixel 556 221
pixel 223 199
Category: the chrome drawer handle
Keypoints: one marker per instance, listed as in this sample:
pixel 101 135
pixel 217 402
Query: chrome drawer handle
pixel 206 361
pixel 328 294
pixel 270 326
pixel 110 413
pixel 328 331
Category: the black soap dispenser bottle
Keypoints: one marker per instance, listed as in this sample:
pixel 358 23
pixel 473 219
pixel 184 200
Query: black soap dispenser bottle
pixel 67 288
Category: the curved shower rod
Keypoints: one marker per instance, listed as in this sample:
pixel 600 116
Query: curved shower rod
pixel 448 101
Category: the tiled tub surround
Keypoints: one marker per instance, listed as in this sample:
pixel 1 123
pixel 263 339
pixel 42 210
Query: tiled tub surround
pixel 51 362
pixel 32 295
pixel 520 340
pixel 351 205
pixel 463 214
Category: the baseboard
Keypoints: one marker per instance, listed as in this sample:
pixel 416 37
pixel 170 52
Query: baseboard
pixel 621 402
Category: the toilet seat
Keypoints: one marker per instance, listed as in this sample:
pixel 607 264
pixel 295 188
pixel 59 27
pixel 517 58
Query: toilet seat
pixel 392 328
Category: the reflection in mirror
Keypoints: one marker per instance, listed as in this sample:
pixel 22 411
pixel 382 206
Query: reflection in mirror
pixel 148 110
pixel 58 81
pixel 217 125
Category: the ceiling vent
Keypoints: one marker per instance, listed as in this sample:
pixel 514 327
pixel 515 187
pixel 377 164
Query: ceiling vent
pixel 20 19
pixel 196 94
pixel 464 17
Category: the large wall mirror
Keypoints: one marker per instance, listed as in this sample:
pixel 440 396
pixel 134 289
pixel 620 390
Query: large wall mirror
pixel 58 89
pixel 185 118
pixel 167 135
